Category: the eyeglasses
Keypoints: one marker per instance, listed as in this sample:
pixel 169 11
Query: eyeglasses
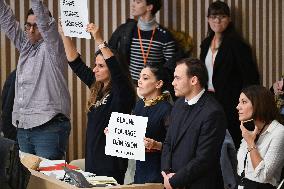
pixel 28 26
pixel 219 17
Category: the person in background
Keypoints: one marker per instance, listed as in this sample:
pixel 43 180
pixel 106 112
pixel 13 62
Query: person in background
pixel 8 95
pixel 154 105
pixel 138 43
pixel 260 157
pixel 1 125
pixel 110 91
pixel 42 102
pixel 229 62
pixel 278 91
pixel 192 148
pixel 5 151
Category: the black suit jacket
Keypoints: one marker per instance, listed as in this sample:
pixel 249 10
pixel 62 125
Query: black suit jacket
pixel 234 69
pixel 193 144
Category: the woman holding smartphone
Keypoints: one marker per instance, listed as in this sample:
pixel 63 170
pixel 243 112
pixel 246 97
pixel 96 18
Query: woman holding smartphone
pixel 260 157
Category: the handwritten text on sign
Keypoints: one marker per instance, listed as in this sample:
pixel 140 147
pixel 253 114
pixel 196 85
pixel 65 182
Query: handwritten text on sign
pixel 74 18
pixel 125 137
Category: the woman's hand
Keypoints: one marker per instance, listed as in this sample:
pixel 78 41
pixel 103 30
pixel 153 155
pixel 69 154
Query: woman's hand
pixel 95 32
pixel 152 144
pixel 106 131
pixel 249 136
pixel 149 143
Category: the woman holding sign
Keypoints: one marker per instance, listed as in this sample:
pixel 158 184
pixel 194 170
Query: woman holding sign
pixel 110 91
pixel 155 106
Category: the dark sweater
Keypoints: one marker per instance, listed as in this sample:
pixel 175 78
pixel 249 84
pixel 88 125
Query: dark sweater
pixel 119 100
pixel 162 49
pixel 149 171
pixel 164 46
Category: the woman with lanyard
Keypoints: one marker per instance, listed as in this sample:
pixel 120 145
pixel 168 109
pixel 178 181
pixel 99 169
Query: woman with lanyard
pixel 229 63
pixel 145 40
pixel 260 157
pixel 110 91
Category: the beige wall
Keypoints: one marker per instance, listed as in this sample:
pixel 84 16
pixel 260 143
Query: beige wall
pixel 260 21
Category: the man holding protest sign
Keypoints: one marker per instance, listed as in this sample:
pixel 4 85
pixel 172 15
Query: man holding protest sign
pixel 42 102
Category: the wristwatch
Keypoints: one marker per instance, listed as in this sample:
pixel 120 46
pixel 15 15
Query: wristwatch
pixel 103 45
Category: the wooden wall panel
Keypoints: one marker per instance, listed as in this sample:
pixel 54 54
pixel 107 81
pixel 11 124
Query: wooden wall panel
pixel 261 23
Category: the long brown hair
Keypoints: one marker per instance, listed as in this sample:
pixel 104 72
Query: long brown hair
pixel 97 93
pixel 97 90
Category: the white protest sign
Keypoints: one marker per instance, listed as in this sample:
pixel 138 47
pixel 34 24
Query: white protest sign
pixel 74 18
pixel 125 136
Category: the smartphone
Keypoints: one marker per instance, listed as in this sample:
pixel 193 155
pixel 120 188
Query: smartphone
pixel 249 124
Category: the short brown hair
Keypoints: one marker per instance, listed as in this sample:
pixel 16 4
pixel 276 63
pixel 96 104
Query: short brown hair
pixel 157 4
pixel 196 67
pixel 264 106
pixel 31 12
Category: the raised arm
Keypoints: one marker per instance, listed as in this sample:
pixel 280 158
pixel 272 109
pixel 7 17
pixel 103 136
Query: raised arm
pixel 118 79
pixel 47 27
pixel 69 46
pixel 94 30
pixel 84 72
pixel 121 85
pixel 11 26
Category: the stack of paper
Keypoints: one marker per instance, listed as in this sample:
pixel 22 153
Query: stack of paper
pixel 101 180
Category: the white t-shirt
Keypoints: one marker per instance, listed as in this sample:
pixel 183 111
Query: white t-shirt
pixel 209 61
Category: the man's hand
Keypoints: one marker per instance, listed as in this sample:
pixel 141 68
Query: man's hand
pixel 167 184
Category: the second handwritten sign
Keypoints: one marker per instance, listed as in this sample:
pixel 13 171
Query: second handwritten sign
pixel 74 18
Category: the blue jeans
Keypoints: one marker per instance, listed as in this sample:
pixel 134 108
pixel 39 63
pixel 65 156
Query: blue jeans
pixel 48 140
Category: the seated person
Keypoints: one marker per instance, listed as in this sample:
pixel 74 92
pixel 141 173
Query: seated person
pixel 260 156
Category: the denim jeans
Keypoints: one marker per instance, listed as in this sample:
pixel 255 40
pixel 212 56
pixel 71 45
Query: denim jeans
pixel 48 140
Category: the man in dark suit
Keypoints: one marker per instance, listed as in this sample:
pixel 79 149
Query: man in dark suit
pixel 191 151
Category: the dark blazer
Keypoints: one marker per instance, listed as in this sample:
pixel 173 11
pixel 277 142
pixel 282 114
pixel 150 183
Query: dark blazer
pixel 233 70
pixel 193 144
